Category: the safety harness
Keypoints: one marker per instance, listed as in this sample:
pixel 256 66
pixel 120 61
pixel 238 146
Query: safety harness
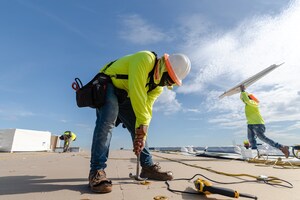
pixel 151 83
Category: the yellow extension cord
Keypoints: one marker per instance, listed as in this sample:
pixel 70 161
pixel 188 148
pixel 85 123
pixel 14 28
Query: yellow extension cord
pixel 271 178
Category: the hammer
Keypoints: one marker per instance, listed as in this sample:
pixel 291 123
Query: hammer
pixel 137 176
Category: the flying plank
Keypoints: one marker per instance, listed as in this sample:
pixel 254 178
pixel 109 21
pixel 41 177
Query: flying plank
pixel 249 81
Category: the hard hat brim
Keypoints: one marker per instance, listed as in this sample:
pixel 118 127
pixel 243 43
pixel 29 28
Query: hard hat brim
pixel 252 97
pixel 171 71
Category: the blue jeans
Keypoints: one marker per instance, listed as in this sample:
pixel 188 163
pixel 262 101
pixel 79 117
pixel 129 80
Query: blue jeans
pixel 258 130
pixel 106 119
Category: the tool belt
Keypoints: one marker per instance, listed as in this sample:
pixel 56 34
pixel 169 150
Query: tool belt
pixel 93 93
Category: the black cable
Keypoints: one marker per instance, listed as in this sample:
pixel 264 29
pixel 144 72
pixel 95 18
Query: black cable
pixel 179 191
pixel 265 180
pixel 197 193
pixel 236 182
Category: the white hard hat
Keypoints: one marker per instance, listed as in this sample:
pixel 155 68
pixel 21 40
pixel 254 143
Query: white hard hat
pixel 178 67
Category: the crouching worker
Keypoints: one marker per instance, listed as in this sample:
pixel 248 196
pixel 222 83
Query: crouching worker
pixel 68 137
pixel 141 77
pixel 256 124
pixel 246 144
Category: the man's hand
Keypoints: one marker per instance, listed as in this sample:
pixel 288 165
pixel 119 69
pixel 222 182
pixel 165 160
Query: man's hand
pixel 140 138
pixel 242 88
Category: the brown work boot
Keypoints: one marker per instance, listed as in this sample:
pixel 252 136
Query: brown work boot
pixel 153 172
pixel 99 183
pixel 285 151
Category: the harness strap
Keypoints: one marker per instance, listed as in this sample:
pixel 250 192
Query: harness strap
pixel 151 84
pixel 107 66
pixel 121 76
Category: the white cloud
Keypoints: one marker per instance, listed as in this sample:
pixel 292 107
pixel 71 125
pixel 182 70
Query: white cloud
pixel 138 31
pixel 222 60
pixel 227 58
pixel 167 102
pixel 15 114
pixel 64 121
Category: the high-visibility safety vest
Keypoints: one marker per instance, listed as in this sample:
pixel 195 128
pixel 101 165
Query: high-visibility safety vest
pixel 70 134
pixel 137 66
pixel 251 110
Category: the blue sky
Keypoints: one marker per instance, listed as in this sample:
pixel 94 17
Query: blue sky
pixel 45 44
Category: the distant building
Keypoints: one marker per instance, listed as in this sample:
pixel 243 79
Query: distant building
pixel 13 140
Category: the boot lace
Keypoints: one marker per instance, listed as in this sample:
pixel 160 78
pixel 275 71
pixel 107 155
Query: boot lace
pixel 98 177
pixel 156 167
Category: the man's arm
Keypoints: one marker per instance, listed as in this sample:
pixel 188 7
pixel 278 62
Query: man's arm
pixel 140 139
pixel 246 99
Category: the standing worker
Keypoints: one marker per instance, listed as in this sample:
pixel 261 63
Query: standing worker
pixel 143 79
pixel 67 137
pixel 256 124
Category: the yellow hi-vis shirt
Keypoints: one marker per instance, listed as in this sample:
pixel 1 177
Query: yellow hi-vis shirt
pixel 73 135
pixel 137 66
pixel 251 110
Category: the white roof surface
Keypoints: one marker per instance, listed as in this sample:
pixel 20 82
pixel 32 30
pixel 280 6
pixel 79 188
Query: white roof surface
pixel 63 176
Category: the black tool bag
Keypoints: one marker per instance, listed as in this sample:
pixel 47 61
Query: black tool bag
pixel 93 93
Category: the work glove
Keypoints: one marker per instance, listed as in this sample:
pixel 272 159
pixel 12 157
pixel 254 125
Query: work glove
pixel 139 139
pixel 242 87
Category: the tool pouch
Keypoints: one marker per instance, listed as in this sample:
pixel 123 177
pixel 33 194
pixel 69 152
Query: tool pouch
pixel 93 93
